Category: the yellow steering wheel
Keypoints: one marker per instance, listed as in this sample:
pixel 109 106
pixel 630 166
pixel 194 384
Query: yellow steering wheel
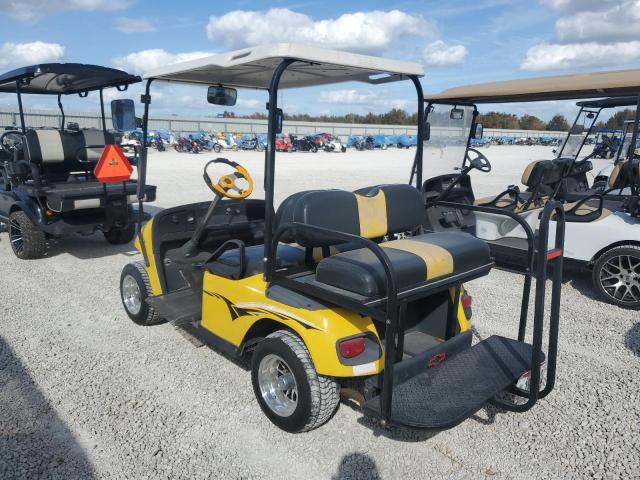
pixel 226 185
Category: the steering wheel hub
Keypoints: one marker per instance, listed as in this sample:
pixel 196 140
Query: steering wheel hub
pixel 228 185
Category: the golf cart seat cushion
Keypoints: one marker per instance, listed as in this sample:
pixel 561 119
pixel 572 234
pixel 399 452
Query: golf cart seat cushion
pixel 58 150
pixel 228 264
pixel 415 260
pixel 374 213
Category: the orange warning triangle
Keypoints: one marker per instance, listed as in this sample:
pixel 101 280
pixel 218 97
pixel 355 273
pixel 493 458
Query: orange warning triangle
pixel 113 166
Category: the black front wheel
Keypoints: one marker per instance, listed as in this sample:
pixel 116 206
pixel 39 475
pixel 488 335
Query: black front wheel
pixel 28 241
pixel 120 236
pixel 135 288
pixel 616 276
pixel 288 388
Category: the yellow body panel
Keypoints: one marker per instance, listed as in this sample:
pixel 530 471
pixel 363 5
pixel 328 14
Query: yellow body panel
pixel 231 307
pixel 152 271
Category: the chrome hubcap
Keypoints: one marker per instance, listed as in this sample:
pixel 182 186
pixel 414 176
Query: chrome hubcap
pixel 15 236
pixel 278 385
pixel 620 278
pixel 131 296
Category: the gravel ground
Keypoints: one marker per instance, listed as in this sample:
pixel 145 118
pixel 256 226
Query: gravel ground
pixel 86 393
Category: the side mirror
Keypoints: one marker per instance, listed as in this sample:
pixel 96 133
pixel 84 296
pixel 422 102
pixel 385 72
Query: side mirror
pixel 279 119
pixel 427 131
pixel 123 115
pixel 478 131
pixel 456 114
pixel 224 96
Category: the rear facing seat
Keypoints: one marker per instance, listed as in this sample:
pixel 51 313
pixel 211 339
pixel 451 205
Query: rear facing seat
pixel 56 151
pixel 381 211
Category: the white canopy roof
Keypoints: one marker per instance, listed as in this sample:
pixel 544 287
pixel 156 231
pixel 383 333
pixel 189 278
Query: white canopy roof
pixel 253 68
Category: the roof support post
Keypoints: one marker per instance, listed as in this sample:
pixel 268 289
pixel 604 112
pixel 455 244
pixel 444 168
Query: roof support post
pixel 61 111
pixel 20 109
pixel 142 167
pixel 269 164
pixel 416 169
pixel 104 121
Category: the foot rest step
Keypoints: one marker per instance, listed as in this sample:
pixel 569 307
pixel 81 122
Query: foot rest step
pixel 445 395
pixel 179 307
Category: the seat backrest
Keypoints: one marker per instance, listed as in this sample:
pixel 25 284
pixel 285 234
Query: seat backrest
pixel 371 213
pixel 619 176
pixel 57 151
pixel 536 173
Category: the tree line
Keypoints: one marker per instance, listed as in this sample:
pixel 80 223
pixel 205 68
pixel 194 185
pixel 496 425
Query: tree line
pixel 398 116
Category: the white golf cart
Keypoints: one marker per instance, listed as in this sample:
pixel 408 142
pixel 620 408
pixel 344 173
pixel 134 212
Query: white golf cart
pixel 603 224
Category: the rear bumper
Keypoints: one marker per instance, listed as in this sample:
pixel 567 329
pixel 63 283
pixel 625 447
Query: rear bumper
pixel 93 195
pixel 89 221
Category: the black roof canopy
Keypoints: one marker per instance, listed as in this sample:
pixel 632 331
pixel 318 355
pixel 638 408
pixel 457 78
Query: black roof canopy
pixel 64 79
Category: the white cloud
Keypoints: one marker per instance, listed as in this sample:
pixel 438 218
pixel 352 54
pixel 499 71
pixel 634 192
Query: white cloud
pixel 618 23
pixel 441 54
pixel 144 60
pixel 589 54
pixel 577 5
pixel 17 54
pixel 134 25
pixel 29 9
pixel 360 31
pixel 249 103
pixel 361 97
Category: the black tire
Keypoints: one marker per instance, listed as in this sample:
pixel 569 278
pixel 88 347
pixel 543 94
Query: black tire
pixel 120 236
pixel 317 396
pixel 313 149
pixel 145 314
pixel 217 148
pixel 616 276
pixel 27 240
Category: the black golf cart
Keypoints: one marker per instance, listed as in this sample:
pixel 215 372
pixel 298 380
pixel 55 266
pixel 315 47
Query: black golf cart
pixel 47 182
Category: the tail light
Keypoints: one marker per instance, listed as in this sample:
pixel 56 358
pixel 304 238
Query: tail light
pixel 467 303
pixel 352 347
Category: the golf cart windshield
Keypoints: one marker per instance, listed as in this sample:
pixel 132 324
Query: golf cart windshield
pixel 449 127
pixel 572 146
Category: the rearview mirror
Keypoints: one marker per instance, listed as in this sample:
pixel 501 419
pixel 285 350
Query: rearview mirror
pixel 456 114
pixel 478 131
pixel 123 114
pixel 576 129
pixel 224 96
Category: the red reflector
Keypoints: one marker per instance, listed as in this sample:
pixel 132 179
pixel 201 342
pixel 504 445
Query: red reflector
pixel 352 347
pixel 467 301
pixel 555 253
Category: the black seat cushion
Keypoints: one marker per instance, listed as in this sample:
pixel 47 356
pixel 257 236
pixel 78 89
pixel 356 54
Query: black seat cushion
pixel 228 264
pixel 370 213
pixel 415 260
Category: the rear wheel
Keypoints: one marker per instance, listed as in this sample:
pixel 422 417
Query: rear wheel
pixel 289 390
pixel 313 149
pixel 27 240
pixel 120 236
pixel 217 148
pixel 135 288
pixel 616 276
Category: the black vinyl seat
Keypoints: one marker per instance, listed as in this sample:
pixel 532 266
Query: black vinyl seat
pixel 415 260
pixel 58 153
pixel 376 213
pixel 229 264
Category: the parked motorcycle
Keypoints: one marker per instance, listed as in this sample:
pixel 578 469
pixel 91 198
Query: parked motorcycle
pixel 305 144
pixel 334 144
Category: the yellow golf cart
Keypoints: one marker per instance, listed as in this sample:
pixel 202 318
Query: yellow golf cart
pixel 334 287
